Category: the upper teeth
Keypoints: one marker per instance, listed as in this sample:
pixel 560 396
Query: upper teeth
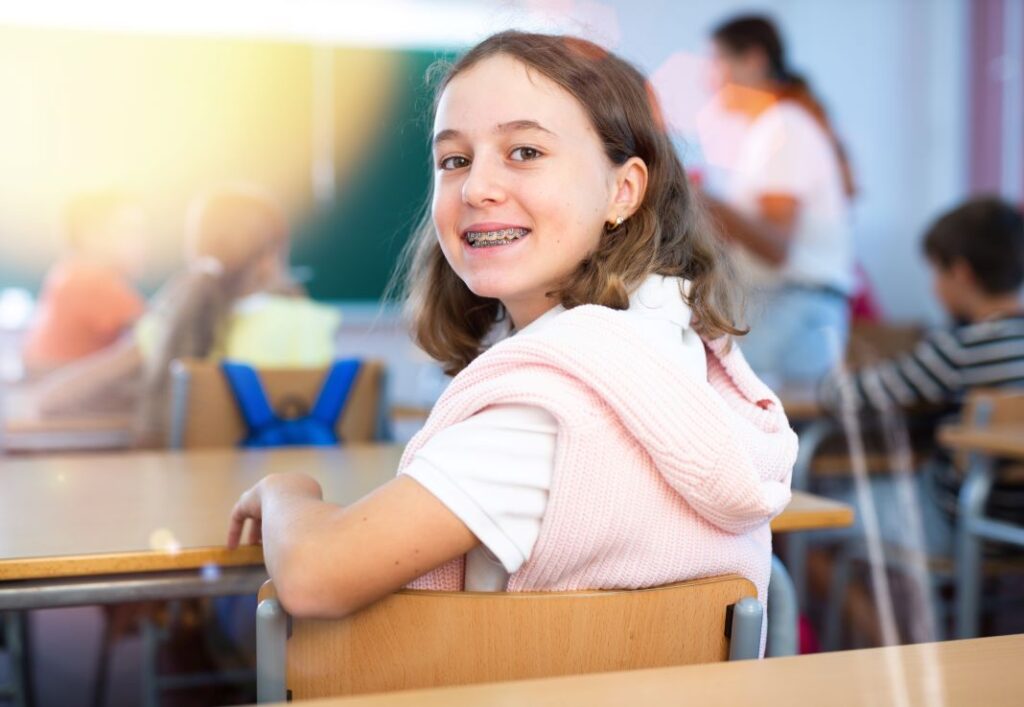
pixel 503 234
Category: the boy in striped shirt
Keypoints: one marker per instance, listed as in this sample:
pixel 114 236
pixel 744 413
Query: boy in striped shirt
pixel 976 253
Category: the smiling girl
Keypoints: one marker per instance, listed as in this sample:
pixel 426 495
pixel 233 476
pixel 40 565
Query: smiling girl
pixel 612 438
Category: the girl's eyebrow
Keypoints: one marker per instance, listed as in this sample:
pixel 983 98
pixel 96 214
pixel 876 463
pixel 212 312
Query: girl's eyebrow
pixel 511 126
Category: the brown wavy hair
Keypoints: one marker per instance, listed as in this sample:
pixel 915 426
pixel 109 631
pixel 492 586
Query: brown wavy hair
pixel 669 233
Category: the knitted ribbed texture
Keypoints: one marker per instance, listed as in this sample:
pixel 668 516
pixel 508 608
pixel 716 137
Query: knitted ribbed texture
pixel 659 476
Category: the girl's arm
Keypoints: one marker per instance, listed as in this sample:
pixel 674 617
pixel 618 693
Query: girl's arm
pixel 328 561
pixel 769 234
pixel 72 387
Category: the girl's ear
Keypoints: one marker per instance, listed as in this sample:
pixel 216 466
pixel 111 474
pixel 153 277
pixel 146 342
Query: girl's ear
pixel 630 187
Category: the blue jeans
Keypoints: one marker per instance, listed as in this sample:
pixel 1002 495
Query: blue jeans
pixel 797 335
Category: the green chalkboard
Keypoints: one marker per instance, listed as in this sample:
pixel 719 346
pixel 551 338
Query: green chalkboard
pixel 166 117
pixel 351 246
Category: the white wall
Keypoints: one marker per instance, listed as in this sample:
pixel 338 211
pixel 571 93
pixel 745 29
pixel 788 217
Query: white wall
pixel 893 76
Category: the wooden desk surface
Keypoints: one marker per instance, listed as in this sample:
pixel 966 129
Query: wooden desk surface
pixel 148 511
pixel 1006 441
pixel 983 671
pixel 75 515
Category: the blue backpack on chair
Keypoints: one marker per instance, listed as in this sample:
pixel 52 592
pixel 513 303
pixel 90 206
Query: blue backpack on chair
pixel 294 425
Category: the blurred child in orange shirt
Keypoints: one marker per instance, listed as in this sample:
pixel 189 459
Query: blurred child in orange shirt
pixel 88 298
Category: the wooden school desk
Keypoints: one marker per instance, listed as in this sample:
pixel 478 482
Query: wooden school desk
pixel 986 445
pixel 84 529
pixel 1004 441
pixel 984 671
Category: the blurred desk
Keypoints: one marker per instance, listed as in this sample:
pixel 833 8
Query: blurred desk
pixel 66 434
pixel 809 512
pixel 102 528
pixel 982 671
pixel 1003 441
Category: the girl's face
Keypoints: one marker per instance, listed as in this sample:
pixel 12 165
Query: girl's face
pixel 522 185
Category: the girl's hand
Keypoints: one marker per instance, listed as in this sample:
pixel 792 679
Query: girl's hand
pixel 250 504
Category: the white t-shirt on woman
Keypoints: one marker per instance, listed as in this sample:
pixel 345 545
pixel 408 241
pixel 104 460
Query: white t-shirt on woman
pixel 786 151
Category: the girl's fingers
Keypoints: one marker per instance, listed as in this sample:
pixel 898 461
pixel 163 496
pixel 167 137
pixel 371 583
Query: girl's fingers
pixel 245 508
pixel 256 532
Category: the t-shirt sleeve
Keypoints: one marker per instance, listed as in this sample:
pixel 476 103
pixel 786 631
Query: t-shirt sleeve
pixel 116 306
pixel 493 471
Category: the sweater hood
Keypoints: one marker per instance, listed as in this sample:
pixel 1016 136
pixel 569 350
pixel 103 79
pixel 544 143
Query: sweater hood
pixel 721 441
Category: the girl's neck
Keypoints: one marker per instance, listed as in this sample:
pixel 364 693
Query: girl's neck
pixel 525 313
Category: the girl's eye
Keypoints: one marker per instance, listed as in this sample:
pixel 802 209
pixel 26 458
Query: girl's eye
pixel 453 162
pixel 525 154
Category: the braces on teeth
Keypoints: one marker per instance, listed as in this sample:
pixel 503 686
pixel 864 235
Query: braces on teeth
pixel 479 239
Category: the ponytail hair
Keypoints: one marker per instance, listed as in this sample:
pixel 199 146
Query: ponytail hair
pixel 229 234
pixel 755 32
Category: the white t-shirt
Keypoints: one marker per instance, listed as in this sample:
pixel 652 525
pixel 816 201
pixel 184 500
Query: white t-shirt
pixel 786 151
pixel 494 469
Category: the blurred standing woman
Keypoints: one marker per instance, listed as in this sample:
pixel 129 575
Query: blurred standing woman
pixel 786 207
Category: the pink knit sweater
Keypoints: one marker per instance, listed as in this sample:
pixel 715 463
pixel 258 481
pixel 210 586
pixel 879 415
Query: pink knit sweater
pixel 659 476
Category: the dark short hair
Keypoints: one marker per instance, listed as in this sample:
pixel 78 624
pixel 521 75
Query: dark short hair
pixel 988 234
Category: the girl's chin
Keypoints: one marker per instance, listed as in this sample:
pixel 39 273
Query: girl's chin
pixel 489 290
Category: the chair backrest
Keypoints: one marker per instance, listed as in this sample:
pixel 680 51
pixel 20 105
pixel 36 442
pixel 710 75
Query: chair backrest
pixel 419 639
pixel 204 413
pixel 993 406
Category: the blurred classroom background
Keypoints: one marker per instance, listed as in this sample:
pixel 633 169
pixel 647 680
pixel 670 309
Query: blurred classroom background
pixel 325 105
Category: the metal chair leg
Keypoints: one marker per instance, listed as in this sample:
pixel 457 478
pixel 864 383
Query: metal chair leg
pixel 16 639
pixel 99 693
pixel 149 632
pixel 971 508
pixel 811 437
pixel 745 637
pixel 783 612
pixel 837 599
pixel 271 647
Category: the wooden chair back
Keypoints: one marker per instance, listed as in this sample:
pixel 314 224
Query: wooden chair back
pixel 994 407
pixel 420 639
pixel 985 408
pixel 204 413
